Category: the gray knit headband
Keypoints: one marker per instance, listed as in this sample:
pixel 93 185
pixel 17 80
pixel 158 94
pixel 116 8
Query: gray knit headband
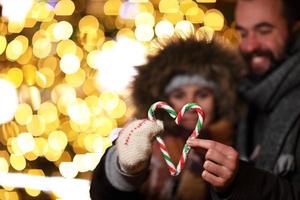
pixel 181 80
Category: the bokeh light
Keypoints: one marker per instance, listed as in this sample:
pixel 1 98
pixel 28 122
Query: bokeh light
pixel 8 101
pixel 65 75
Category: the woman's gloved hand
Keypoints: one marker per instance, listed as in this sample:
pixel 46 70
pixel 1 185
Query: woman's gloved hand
pixel 134 145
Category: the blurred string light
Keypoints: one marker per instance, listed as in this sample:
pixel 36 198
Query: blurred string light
pixel 16 10
pixel 115 74
pixel 64 78
pixel 8 101
pixel 64 188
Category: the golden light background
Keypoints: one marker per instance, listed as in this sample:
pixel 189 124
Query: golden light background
pixel 65 67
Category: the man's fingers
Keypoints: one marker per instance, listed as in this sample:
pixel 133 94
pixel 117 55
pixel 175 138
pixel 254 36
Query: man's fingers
pixel 217 170
pixel 209 144
pixel 224 158
pixel 214 180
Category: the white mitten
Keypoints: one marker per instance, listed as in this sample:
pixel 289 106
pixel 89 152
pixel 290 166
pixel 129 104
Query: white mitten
pixel 134 145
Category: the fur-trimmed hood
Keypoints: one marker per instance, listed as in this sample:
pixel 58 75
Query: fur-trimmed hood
pixel 210 59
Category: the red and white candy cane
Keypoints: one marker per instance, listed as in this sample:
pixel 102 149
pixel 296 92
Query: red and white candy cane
pixel 162 105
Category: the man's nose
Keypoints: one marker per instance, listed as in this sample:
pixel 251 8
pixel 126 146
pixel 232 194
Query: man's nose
pixel 250 43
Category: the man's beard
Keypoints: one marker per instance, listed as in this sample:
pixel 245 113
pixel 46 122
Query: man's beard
pixel 274 62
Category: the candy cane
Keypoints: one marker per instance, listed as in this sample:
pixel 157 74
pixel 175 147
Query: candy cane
pixel 162 105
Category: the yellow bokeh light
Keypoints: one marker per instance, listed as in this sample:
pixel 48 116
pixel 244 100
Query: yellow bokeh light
pixel 205 32
pixel 185 5
pixel 168 6
pixel 25 142
pixel 126 32
pixel 41 146
pixel 45 77
pixel 144 33
pixel 65 157
pixel 36 126
pixel 34 172
pixel 24 41
pixel 109 100
pixel 50 62
pixel 64 8
pixel 112 7
pixel 195 15
pixel 8 195
pixel 71 134
pixel 104 125
pixel 233 36
pixel 41 11
pixel 26 57
pixel 79 111
pixel 76 79
pixel 214 19
pixel 52 154
pixel 206 1
pixel 63 30
pixel 29 72
pixel 40 34
pixel 57 140
pixel 174 17
pixel 48 111
pixel 68 169
pixel 69 64
pixel 52 126
pixel 15 75
pixel 101 144
pixel 3 44
pixel 63 104
pixel 4 166
pixel 29 22
pixel 119 111
pixel 92 59
pixel 18 162
pixel 184 27
pixel 81 162
pixel 9 130
pixel 30 156
pixel 144 18
pixel 90 86
pixel 66 47
pixel 63 90
pixel 164 29
pixel 24 114
pixel 88 24
pixel 14 50
pixel 80 126
pixel 35 97
pixel 15 27
pixel 94 104
pixel 42 48
pixel 15 148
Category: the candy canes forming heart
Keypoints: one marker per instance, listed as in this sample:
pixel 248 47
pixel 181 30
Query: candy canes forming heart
pixel 162 105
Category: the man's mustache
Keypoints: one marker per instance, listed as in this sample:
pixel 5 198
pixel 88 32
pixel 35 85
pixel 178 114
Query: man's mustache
pixel 258 53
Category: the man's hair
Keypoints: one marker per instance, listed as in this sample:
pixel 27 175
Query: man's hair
pixel 291 11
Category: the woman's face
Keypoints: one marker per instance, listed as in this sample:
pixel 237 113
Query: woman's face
pixel 202 96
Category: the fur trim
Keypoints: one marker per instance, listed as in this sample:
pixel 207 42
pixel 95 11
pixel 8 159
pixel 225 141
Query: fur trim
pixel 211 59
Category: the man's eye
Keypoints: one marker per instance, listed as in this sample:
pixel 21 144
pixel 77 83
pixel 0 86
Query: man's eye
pixel 265 30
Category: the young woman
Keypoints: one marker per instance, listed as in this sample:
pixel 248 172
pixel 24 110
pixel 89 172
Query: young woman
pixel 183 70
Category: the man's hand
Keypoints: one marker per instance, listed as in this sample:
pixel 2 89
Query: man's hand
pixel 221 163
pixel 134 145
